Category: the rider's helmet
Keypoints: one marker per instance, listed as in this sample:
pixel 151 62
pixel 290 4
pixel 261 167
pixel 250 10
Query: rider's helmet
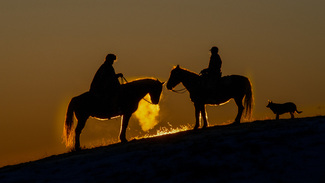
pixel 214 49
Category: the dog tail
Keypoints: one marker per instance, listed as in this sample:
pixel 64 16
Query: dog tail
pixel 298 111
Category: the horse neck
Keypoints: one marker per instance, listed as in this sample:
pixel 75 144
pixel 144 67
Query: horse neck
pixel 190 79
pixel 146 86
pixel 143 87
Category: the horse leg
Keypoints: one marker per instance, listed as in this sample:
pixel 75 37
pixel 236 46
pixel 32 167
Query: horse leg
pixel 125 121
pixel 239 102
pixel 277 117
pixel 197 116
pixel 80 126
pixel 204 116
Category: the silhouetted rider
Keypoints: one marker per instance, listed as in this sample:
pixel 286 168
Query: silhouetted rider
pixel 212 74
pixel 105 84
pixel 214 69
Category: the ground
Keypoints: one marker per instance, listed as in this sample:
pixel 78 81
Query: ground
pixel 261 151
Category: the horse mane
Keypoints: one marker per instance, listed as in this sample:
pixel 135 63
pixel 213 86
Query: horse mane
pixel 189 72
pixel 140 80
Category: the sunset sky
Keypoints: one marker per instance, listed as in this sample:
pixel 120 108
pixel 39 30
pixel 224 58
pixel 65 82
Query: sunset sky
pixel 50 51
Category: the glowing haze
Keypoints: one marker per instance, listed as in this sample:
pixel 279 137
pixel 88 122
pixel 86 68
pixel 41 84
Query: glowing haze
pixel 147 114
pixel 50 51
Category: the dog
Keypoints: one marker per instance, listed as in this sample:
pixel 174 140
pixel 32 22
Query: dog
pixel 279 109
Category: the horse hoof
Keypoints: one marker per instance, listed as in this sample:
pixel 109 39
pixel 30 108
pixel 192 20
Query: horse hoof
pixel 124 141
pixel 76 149
pixel 235 123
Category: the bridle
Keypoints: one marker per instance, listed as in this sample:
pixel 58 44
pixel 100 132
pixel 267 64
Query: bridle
pixel 123 79
pixel 179 91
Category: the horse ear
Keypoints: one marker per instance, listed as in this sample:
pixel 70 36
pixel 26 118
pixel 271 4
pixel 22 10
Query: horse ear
pixel 177 67
pixel 161 82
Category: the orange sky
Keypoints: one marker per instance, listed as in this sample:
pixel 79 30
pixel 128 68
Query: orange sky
pixel 50 51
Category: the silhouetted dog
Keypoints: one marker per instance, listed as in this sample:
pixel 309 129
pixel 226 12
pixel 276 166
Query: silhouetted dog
pixel 283 108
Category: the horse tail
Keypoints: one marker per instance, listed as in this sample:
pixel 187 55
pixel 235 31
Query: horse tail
pixel 249 100
pixel 67 130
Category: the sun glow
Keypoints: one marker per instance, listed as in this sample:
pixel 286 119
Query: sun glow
pixel 147 114
pixel 167 130
pixel 171 130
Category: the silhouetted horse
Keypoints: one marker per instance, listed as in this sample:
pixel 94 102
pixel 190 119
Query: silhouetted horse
pixel 228 87
pixel 85 105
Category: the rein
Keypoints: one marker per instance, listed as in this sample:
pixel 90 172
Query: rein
pixel 124 79
pixel 180 91
pixel 147 101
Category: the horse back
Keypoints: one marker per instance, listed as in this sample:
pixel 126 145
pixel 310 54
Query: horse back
pixel 227 87
pixel 233 84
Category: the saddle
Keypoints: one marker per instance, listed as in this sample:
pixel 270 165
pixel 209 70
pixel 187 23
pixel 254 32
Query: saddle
pixel 210 83
pixel 107 104
pixel 210 88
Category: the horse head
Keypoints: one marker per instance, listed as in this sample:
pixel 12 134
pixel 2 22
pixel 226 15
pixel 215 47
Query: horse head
pixel 174 78
pixel 156 91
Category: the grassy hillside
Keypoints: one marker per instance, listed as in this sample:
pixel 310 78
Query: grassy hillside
pixel 261 151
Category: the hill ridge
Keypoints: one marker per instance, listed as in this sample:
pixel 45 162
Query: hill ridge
pixel 220 151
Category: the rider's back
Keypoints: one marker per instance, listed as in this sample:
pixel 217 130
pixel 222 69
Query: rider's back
pixel 105 81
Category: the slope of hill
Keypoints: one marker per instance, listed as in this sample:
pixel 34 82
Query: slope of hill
pixel 260 151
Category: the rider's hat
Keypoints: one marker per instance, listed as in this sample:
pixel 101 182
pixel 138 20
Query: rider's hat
pixel 111 57
pixel 214 49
